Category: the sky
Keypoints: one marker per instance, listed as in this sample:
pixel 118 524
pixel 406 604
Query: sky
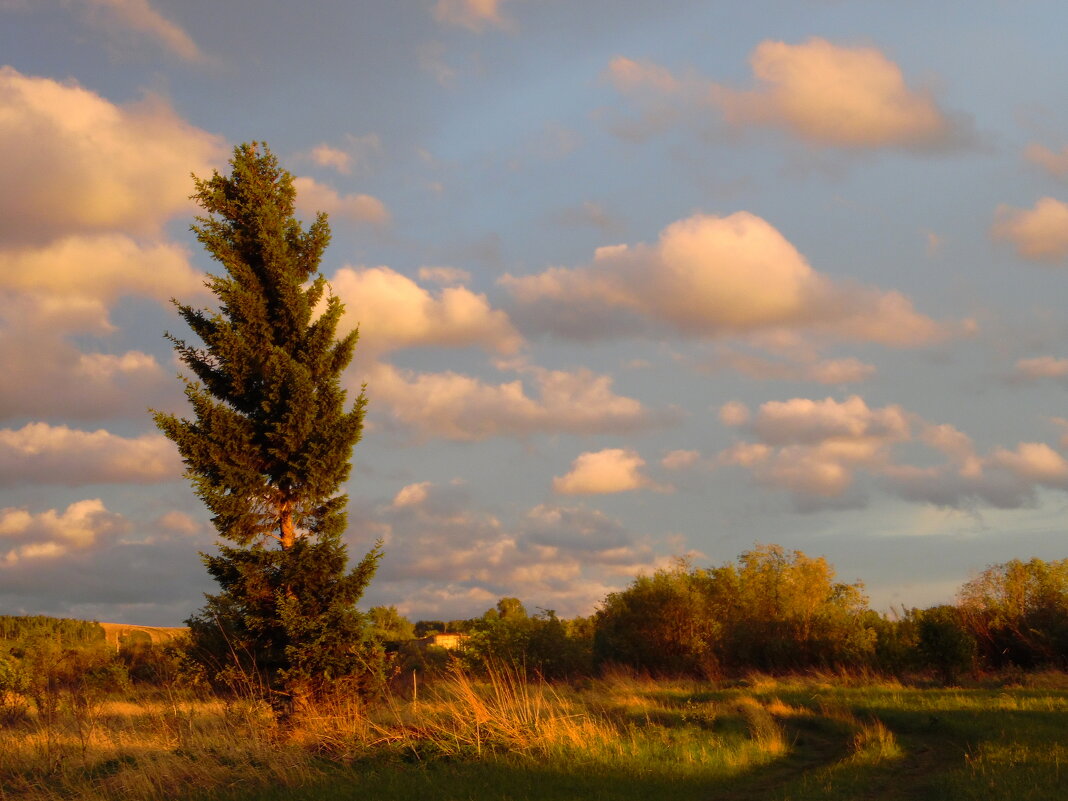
pixel 634 282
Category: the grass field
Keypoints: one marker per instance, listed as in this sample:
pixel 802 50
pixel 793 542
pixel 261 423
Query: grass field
pixel 617 738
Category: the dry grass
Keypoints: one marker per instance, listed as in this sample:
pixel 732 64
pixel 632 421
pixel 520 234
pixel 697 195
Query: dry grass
pixel 144 747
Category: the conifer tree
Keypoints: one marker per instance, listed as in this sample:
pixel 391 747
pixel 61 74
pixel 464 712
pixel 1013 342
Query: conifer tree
pixel 270 440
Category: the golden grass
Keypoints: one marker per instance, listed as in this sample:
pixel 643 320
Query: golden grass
pixel 159 745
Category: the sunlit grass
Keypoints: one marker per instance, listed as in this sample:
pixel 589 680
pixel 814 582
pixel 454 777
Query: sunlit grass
pixel 622 736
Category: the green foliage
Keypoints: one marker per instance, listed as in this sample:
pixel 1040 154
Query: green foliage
pixel 65 630
pixel 666 623
pixel 387 625
pixel 270 440
pixel 785 611
pixel 1018 613
pixel 770 611
pixel 541 643
pixel 944 643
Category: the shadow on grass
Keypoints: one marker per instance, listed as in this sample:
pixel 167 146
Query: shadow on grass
pixel 947 754
pixel 507 779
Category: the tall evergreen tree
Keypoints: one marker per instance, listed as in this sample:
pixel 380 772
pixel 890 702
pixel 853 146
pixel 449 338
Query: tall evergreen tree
pixel 271 438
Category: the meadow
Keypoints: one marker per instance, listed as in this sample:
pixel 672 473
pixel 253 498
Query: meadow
pixel 504 735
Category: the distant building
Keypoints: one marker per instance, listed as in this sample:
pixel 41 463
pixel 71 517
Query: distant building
pixel 452 641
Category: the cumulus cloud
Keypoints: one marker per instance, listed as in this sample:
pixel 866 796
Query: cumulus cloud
pixel 710 276
pixel 1040 367
pixel 87 562
pixel 808 367
pixel 1053 162
pixel 824 94
pixel 395 312
pixel 313 197
pixel 46 454
pixel 77 163
pixel 444 275
pixel 90 186
pixel 812 447
pixel 816 449
pixel 55 378
pixel 74 280
pixel 850 97
pixel 680 459
pixel 604 472
pixel 1038 234
pixel 475 15
pixel 734 413
pixel 445 557
pixel 50 292
pixel 141 17
pixel 52 534
pixel 354 152
pixel 461 407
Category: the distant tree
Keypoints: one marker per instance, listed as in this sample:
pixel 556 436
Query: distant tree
pixel 424 628
pixel 511 609
pixel 270 440
pixel 784 610
pixel 388 625
pixel 945 645
pixel 665 623
pixel 772 610
pixel 1018 613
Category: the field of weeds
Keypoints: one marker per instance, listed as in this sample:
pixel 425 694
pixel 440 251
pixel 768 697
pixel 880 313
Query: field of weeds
pixel 504 736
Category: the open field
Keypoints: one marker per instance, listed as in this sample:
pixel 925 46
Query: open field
pixel 616 738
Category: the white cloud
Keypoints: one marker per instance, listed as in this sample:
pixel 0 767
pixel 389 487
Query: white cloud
pixel 680 459
pixel 475 15
pixel 808 367
pixel 313 197
pixel 89 187
pixel 1054 163
pixel 45 454
pixel 603 472
pixel 444 275
pixel 816 450
pixel 329 156
pixel 52 534
pixel 76 163
pixel 140 16
pixel 355 152
pixel 1039 233
pixel 734 413
pixel 412 494
pixel 1033 461
pixel 460 407
pixel 711 276
pixel 57 379
pixel 1040 367
pixel 78 278
pixel 179 523
pixel 824 94
pixel 394 312
pixel 804 421
pixel 812 447
pixel 445 557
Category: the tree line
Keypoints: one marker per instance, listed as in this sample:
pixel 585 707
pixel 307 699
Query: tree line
pixel 775 611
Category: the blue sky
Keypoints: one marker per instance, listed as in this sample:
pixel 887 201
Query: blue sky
pixel 634 280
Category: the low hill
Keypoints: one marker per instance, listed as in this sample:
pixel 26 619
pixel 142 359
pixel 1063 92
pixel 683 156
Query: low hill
pixel 116 633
